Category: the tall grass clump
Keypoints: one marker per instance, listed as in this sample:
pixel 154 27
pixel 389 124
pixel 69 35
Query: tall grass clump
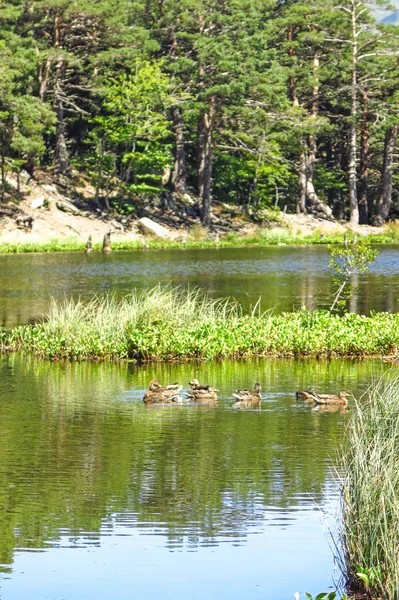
pixel 370 493
pixel 169 324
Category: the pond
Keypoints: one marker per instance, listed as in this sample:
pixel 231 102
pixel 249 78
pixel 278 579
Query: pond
pixel 284 277
pixel 101 497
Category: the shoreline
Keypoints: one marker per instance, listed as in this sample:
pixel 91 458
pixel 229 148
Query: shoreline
pixel 269 237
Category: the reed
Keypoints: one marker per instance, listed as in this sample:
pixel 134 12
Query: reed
pixel 370 493
pixel 172 324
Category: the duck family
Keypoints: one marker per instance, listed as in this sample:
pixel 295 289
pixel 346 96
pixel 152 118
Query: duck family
pixel 203 394
pixel 207 394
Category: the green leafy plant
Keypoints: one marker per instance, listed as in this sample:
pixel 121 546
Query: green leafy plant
pixel 346 261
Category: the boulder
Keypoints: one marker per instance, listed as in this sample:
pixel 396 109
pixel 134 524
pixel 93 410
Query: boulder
pixel 68 207
pixel 150 227
pixel 38 202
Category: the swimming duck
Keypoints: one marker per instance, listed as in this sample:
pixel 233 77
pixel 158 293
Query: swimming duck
pixel 202 393
pixel 248 399
pixel 107 242
pixel 307 395
pixel 89 245
pixel 310 395
pixel 162 394
pixel 332 399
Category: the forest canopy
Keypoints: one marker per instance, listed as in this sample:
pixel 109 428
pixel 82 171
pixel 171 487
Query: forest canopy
pixel 254 103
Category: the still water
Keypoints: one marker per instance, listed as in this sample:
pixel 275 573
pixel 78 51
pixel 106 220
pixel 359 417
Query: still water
pixel 284 277
pixel 103 498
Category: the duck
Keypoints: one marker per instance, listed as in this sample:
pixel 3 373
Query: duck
pixel 162 394
pixel 307 395
pixel 248 399
pixel 202 393
pixel 89 245
pixel 107 243
pixel 332 399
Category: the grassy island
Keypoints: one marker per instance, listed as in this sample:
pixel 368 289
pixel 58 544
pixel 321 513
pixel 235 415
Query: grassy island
pixel 169 324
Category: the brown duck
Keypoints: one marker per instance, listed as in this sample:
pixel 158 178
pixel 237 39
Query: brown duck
pixel 89 245
pixel 107 242
pixel 248 399
pixel 202 393
pixel 307 395
pixel 162 394
pixel 332 399
pixel 310 395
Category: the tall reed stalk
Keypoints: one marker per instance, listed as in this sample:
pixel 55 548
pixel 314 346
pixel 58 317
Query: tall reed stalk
pixel 370 493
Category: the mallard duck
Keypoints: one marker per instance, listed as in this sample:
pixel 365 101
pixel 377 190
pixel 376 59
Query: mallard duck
pixel 248 399
pixel 332 399
pixel 89 245
pixel 307 395
pixel 107 242
pixel 202 393
pixel 162 394
pixel 310 395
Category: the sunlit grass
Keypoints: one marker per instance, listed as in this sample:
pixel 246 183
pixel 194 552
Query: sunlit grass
pixel 260 237
pixel 171 324
pixel 370 493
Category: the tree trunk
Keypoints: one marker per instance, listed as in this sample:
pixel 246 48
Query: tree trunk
pixel 61 158
pixel 44 74
pixel 364 158
pixel 312 197
pixel 353 205
pixel 61 152
pixel 385 199
pixel 291 81
pixel 3 171
pixel 301 200
pixel 205 148
pixel 179 170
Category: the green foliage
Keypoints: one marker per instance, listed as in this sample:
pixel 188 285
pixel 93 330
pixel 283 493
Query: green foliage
pixel 271 82
pixel 348 260
pixel 168 324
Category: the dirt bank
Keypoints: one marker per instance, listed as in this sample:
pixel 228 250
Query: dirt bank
pixel 49 211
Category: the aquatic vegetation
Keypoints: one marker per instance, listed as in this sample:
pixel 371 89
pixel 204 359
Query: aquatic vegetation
pixel 370 493
pixel 171 324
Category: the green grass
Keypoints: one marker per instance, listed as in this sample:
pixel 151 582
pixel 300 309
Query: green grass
pixel 262 237
pixel 169 324
pixel 370 493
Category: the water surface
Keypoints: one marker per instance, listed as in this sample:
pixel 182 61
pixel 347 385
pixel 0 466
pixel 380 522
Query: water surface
pixel 283 277
pixel 101 497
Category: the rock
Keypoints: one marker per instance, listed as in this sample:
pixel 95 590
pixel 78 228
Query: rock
pixel 118 226
pixel 67 207
pixel 25 177
pixel 148 226
pixel 38 202
pixel 12 184
pixel 186 199
pixel 191 211
pixel 50 188
pixel 25 222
